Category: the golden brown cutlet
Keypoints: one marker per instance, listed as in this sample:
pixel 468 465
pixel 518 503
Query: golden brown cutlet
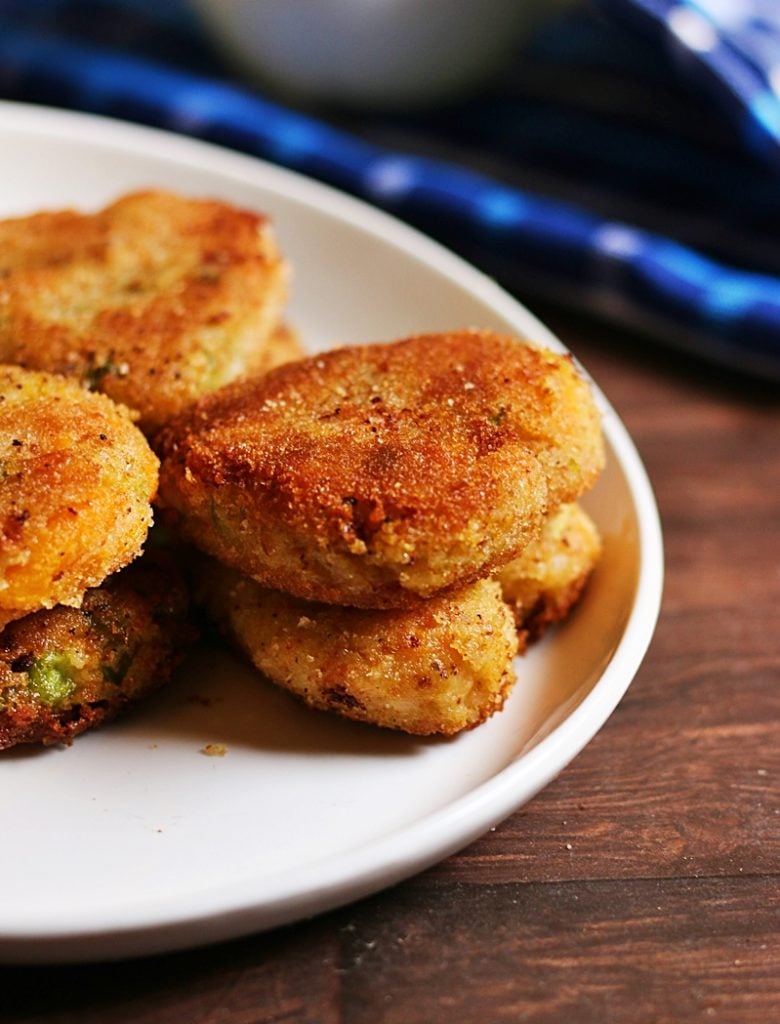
pixel 66 670
pixel 154 300
pixel 76 481
pixel 546 581
pixel 438 668
pixel 284 345
pixel 375 475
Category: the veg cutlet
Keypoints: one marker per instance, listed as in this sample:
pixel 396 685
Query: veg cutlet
pixel 155 300
pixel 76 481
pixel 66 670
pixel 377 475
pixel 283 346
pixel 438 668
pixel 546 581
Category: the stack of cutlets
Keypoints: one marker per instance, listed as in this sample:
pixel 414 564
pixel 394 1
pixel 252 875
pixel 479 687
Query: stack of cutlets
pixel 153 301
pixel 83 636
pixel 388 524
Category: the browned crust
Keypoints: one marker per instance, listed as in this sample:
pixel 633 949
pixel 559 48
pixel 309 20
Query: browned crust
pixel 76 481
pixel 435 669
pixel 547 580
pixel 376 475
pixel 284 345
pixel 154 300
pixel 127 636
pixel 549 610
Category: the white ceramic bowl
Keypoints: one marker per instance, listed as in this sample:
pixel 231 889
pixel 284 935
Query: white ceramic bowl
pixel 370 52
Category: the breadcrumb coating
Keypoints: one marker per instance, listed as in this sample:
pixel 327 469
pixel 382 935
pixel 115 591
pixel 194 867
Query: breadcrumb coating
pixel 154 300
pixel 435 669
pixel 377 475
pixel 283 346
pixel 546 581
pixel 67 670
pixel 76 481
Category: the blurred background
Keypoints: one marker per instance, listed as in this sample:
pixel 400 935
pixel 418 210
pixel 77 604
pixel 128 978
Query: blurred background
pixel 619 156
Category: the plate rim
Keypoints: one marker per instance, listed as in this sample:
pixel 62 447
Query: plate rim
pixel 383 861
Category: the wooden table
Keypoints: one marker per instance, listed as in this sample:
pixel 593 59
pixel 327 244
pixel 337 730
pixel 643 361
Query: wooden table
pixel 641 887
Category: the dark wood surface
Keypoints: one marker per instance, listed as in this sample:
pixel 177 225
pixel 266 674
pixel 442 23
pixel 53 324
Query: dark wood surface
pixel 643 885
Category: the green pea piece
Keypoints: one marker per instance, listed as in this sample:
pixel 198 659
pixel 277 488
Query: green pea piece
pixel 52 677
pixel 64 670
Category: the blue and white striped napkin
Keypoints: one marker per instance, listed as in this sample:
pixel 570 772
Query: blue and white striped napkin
pixel 627 163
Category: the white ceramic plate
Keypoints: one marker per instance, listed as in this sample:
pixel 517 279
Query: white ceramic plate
pixel 132 841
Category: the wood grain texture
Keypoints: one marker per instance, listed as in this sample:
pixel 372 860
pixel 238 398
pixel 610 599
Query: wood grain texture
pixel 646 951
pixel 643 885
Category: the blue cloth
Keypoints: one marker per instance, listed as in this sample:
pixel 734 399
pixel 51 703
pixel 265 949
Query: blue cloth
pixel 628 162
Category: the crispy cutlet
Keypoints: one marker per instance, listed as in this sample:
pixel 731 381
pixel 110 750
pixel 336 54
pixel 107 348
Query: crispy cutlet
pixel 66 670
pixel 76 481
pixel 154 300
pixel 546 581
pixel 438 668
pixel 378 475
